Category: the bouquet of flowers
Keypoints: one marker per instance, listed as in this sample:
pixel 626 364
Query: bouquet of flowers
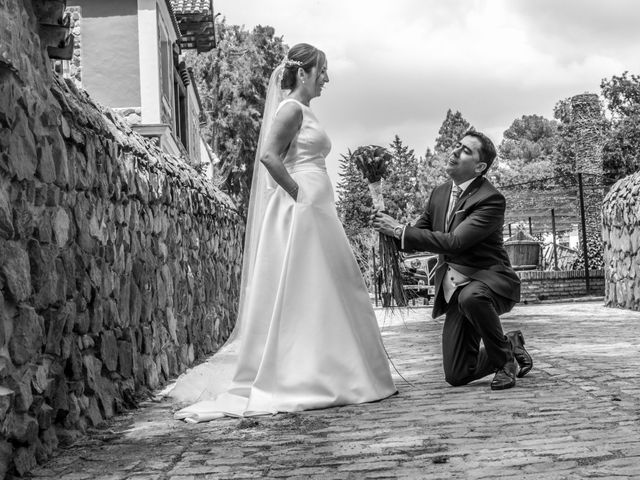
pixel 372 161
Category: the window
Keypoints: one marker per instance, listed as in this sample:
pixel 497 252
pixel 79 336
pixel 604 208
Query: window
pixel 181 110
pixel 166 71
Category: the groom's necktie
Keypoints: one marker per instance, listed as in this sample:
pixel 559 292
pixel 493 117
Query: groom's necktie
pixel 455 194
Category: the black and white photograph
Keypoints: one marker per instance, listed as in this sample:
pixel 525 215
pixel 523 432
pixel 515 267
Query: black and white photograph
pixel 276 239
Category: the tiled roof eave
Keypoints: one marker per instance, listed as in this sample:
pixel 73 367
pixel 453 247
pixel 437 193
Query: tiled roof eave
pixel 174 20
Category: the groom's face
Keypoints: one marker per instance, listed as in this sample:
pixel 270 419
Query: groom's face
pixel 464 160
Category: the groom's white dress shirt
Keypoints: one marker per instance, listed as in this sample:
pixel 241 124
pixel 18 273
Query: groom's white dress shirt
pixel 454 279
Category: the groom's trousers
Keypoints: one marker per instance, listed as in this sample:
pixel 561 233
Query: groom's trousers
pixel 473 315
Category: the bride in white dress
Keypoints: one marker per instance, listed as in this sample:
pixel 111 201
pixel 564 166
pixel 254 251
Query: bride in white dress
pixel 307 336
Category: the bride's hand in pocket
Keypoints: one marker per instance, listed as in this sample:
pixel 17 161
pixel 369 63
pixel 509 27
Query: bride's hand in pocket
pixel 293 192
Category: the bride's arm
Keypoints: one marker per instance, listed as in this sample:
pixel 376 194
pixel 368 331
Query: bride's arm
pixel 285 126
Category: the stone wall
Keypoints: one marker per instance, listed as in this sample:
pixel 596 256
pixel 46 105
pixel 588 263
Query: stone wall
pixel 545 285
pixel 621 238
pixel 119 265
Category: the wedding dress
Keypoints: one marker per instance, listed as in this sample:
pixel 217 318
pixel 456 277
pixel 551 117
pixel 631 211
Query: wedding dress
pixel 309 336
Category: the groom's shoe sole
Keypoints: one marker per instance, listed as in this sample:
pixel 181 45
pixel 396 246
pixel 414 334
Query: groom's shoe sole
pixel 525 362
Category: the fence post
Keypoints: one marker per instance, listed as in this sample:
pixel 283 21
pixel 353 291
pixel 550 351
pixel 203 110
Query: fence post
pixel 553 231
pixel 584 234
pixel 530 228
pixel 509 230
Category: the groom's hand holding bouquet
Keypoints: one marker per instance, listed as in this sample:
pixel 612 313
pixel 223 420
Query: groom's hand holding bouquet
pixel 372 161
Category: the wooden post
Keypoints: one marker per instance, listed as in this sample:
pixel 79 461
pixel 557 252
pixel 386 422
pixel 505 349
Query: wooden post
pixel 553 231
pixel 584 235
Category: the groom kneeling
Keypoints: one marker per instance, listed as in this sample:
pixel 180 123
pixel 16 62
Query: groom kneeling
pixel 475 283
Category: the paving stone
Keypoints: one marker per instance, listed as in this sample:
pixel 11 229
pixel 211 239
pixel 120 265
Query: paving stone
pixel 561 421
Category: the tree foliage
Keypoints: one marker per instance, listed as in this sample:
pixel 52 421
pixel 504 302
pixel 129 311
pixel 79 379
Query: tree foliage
pixel 354 203
pixel 621 152
pixel 401 189
pixel 527 150
pixel 622 94
pixel 232 80
pixel 453 128
pixel 430 174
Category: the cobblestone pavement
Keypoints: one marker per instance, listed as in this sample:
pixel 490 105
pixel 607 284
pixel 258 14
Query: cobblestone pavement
pixel 575 416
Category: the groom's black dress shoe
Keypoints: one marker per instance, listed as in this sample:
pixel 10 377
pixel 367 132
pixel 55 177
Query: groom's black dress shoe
pixel 505 377
pixel 522 356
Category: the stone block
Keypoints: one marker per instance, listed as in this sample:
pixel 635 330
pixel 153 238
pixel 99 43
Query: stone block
pixel 43 230
pixel 28 335
pixel 49 439
pixel 73 416
pixel 67 437
pixel 172 325
pixel 87 342
pixel 6 456
pixel 24 460
pixel 124 301
pixel 45 416
pixel 151 377
pixel 40 376
pixel 21 428
pixel 93 372
pixel 22 154
pixel 6 397
pixel 106 394
pixel 75 361
pixel 15 268
pixel 6 213
pixel 135 307
pixel 46 169
pixel 93 412
pixel 42 455
pixel 147 340
pixel 61 225
pixel 109 350
pixel 162 363
pixel 125 358
pixel 96 312
pixel 111 314
pixel 44 275
pixel 82 320
pixel 56 321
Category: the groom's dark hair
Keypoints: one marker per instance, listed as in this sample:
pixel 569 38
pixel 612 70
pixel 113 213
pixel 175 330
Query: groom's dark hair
pixel 487 148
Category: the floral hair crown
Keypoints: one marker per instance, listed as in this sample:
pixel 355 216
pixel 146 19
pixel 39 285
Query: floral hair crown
pixel 292 63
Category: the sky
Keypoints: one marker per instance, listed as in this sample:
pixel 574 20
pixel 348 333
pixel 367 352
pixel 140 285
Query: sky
pixel 396 67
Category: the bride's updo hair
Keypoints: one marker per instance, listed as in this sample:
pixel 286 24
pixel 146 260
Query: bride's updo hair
pixel 303 56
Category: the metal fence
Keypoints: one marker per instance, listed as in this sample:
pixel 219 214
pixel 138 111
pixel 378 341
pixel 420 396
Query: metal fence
pixel 564 214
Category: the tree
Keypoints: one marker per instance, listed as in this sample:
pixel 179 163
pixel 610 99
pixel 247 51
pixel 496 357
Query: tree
pixel 431 171
pixel 621 152
pixel 232 81
pixel 354 201
pixel 527 150
pixel 401 188
pixel 431 174
pixel 622 94
pixel 453 128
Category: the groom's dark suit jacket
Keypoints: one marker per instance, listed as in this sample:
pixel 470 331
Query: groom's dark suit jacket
pixel 472 243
